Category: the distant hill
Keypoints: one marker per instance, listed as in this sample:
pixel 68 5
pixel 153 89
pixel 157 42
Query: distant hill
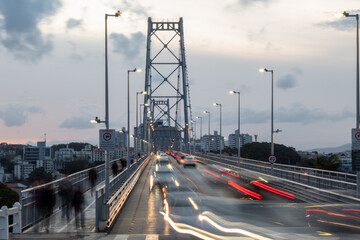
pixel 342 148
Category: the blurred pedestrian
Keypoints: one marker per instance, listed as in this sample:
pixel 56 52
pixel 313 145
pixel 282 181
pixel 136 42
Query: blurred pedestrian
pixel 114 168
pixel 123 163
pixel 46 200
pixel 65 192
pixel 78 203
pixel 120 168
pixel 92 179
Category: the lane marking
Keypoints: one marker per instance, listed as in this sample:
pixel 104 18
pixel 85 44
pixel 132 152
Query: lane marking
pixel 121 237
pixel 152 237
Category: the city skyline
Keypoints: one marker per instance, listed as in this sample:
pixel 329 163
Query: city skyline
pixel 52 55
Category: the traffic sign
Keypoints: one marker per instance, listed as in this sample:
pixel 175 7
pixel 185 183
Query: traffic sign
pixel 355 136
pixel 107 139
pixel 272 159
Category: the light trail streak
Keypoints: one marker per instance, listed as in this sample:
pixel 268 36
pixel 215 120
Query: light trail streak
pixel 340 224
pixel 244 190
pixel 274 190
pixel 332 213
pixel 212 173
pixel 193 203
pixel 232 230
pixel 228 173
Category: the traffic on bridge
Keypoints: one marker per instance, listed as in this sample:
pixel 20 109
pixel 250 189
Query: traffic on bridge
pixel 156 179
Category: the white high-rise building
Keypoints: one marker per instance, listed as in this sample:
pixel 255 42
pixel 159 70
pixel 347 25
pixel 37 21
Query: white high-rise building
pixel 244 139
pixel 213 141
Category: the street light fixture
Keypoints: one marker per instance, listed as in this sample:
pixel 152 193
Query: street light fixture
pixel 96 120
pixel 128 114
pixel 207 112
pixel 219 104
pixel 239 135
pixel 107 167
pixel 272 111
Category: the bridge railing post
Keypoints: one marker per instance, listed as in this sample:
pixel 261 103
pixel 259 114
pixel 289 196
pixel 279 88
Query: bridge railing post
pixel 4 223
pixel 17 218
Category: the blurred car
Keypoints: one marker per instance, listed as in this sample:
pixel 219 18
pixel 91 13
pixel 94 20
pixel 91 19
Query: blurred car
pixel 189 161
pixel 162 174
pixel 162 157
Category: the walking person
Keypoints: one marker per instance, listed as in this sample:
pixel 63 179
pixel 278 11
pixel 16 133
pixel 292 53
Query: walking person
pixel 65 192
pixel 92 179
pixel 78 204
pixel 115 168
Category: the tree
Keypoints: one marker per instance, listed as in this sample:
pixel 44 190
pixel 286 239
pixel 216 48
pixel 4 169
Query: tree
pixel 331 163
pixel 7 163
pixel 75 166
pixel 74 145
pixel 39 174
pixel 7 196
pixel 261 151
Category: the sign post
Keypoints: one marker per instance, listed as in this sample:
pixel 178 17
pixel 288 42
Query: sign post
pixel 355 156
pixel 272 160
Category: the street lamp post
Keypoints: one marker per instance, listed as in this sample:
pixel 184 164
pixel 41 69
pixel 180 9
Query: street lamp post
pixel 209 132
pixel 107 167
pixel 200 130
pixel 137 123
pixel 345 14
pixel 219 104
pixel 128 114
pixel 239 135
pixel 272 111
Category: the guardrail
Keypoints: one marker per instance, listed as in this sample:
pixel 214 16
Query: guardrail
pixel 120 188
pixel 31 214
pixel 5 213
pixel 306 176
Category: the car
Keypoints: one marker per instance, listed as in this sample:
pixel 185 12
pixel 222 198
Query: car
pixel 162 174
pixel 162 159
pixel 189 161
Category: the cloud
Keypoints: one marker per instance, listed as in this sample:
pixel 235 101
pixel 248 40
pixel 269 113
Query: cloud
pixel 342 24
pixel 298 113
pixel 249 116
pixel 286 82
pixel 128 46
pixel 246 3
pixel 17 114
pixel 22 36
pixel 77 122
pixel 297 70
pixel 133 6
pixel 73 23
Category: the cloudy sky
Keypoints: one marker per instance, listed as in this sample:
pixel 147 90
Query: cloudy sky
pixel 52 66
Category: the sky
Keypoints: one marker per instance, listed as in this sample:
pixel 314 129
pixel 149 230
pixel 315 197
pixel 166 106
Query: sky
pixel 52 66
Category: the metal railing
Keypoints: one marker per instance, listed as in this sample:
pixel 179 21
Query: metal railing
pixel 120 188
pixel 31 214
pixel 330 180
pixel 5 213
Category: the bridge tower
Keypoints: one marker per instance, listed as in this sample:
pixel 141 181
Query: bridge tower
pixel 167 104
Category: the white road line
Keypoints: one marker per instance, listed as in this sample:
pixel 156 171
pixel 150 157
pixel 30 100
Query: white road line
pixel 152 237
pixel 121 237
